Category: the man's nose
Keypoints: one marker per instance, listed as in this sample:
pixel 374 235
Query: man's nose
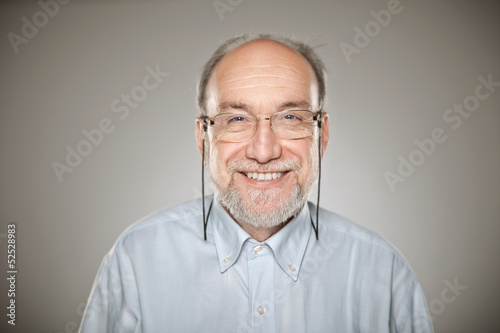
pixel 264 146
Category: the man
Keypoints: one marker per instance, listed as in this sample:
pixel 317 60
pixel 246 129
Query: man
pixel 265 261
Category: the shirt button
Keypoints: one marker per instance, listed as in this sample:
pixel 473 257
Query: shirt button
pixel 261 310
pixel 226 260
pixel 292 268
pixel 258 249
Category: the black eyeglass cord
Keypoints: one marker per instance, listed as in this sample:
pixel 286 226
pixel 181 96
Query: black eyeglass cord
pixel 316 228
pixel 205 218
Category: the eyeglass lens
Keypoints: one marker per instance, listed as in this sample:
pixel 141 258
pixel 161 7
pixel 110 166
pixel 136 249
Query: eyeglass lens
pixel 239 127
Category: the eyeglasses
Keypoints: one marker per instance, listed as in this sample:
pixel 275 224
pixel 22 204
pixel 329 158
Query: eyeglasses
pixel 240 127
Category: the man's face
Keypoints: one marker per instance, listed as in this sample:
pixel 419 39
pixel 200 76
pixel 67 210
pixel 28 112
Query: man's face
pixel 262 77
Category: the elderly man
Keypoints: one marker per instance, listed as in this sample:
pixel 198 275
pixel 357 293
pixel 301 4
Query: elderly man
pixel 264 259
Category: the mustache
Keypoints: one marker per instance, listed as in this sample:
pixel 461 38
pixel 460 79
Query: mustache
pixel 275 165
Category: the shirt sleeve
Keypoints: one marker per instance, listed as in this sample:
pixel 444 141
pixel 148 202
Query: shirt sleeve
pixel 113 304
pixel 408 302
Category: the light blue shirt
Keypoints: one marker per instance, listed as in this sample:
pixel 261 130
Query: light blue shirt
pixel 161 276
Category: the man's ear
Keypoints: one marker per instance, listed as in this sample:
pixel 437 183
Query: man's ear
pixel 325 133
pixel 199 134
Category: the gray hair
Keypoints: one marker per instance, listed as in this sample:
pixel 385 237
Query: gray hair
pixel 301 48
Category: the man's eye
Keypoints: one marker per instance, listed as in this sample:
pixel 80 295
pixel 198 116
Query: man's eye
pixel 291 117
pixel 236 119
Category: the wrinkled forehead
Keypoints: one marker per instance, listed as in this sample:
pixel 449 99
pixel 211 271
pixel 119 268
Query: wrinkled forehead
pixel 262 72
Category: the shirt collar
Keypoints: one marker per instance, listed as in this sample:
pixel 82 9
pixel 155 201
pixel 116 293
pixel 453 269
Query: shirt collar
pixel 288 244
pixel 228 236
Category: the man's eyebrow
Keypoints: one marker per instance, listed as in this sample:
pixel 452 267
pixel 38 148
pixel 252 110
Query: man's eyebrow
pixel 295 104
pixel 234 105
pixel 245 107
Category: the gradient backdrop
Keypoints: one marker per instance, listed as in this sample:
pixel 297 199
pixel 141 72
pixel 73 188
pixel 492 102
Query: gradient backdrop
pixel 65 68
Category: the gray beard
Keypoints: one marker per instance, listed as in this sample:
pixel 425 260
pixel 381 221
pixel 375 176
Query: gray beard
pixel 246 211
pixel 245 208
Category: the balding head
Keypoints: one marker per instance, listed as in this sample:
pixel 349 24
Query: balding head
pixel 260 72
pixel 305 51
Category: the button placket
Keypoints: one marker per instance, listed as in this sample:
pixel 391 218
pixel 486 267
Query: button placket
pixel 261 266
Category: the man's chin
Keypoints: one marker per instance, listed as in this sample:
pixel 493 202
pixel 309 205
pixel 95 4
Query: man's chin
pixel 262 208
pixel 263 211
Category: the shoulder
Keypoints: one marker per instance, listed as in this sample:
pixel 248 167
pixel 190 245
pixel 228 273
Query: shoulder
pixel 338 230
pixel 163 225
pixel 360 257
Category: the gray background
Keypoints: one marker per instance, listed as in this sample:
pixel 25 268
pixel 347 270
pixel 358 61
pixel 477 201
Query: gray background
pixel 444 218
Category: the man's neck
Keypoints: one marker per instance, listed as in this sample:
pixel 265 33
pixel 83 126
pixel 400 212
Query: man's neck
pixel 260 234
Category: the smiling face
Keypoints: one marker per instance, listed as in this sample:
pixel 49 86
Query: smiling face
pixel 266 180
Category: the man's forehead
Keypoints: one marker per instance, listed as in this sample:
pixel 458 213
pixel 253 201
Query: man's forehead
pixel 245 77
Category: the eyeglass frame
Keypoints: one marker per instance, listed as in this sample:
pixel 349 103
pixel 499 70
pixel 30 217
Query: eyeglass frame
pixel 207 121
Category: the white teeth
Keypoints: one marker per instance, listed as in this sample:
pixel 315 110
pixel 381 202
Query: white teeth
pixel 264 176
